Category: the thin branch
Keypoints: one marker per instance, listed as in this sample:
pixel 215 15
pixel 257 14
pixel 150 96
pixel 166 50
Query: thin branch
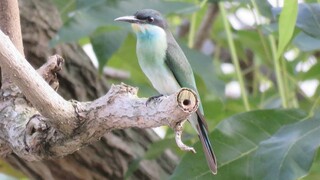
pixel 206 24
pixel 10 22
pixel 10 25
pixel 116 73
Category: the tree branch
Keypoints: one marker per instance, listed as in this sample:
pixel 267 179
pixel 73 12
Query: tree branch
pixel 48 102
pixel 206 24
pixel 10 22
pixel 53 127
pixel 10 25
pixel 116 73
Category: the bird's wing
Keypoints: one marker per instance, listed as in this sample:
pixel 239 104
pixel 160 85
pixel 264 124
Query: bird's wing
pixel 178 63
pixel 182 71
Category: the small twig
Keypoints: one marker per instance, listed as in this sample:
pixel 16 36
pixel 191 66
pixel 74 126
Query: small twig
pixel 178 133
pixel 116 73
pixel 49 70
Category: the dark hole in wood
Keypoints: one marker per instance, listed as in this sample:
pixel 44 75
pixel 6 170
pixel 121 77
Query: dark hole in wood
pixel 186 102
pixel 33 130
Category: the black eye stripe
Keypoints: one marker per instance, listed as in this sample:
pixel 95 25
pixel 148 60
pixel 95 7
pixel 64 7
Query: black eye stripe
pixel 148 19
pixel 149 16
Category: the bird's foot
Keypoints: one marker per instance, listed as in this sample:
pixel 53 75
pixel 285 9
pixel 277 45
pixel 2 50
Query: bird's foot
pixel 153 98
pixel 178 133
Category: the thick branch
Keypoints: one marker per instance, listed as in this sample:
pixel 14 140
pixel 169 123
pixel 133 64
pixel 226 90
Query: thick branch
pixel 123 109
pixel 119 108
pixel 49 103
pixel 63 127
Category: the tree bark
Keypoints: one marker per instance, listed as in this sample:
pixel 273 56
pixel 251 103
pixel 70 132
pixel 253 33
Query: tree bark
pixel 10 25
pixel 108 158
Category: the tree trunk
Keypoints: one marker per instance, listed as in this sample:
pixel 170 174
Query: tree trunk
pixel 108 158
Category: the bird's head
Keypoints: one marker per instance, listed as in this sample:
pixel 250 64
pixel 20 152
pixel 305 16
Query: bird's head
pixel 146 23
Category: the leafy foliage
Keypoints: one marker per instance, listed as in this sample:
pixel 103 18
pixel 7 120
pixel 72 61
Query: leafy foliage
pixel 258 144
pixel 312 13
pixel 289 153
pixel 237 140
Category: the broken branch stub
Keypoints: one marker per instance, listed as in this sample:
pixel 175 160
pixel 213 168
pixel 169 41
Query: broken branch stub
pixel 187 100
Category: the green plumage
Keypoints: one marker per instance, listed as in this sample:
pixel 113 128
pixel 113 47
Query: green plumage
pixel 180 66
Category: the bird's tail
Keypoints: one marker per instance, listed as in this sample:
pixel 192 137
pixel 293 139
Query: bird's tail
pixel 207 148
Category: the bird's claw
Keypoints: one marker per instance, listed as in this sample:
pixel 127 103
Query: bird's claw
pixel 153 98
pixel 178 133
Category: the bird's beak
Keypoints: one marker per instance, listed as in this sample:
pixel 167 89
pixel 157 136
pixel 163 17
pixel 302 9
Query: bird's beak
pixel 129 19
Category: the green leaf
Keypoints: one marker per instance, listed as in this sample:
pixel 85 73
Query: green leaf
pixel 264 8
pixel 68 7
pixel 309 19
pixel 314 172
pixel 306 43
pixel 289 153
pixel 106 44
pixel 250 39
pixel 287 21
pixel 235 141
pixel 80 25
pixel 86 16
pixel 133 166
pixel 64 7
pixel 312 73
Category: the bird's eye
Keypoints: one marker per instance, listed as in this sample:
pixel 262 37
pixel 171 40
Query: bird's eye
pixel 150 19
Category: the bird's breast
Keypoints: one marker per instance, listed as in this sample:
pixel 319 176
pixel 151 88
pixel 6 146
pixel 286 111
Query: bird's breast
pixel 151 44
pixel 151 52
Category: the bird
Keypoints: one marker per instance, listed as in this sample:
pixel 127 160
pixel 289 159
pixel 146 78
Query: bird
pixel 167 67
